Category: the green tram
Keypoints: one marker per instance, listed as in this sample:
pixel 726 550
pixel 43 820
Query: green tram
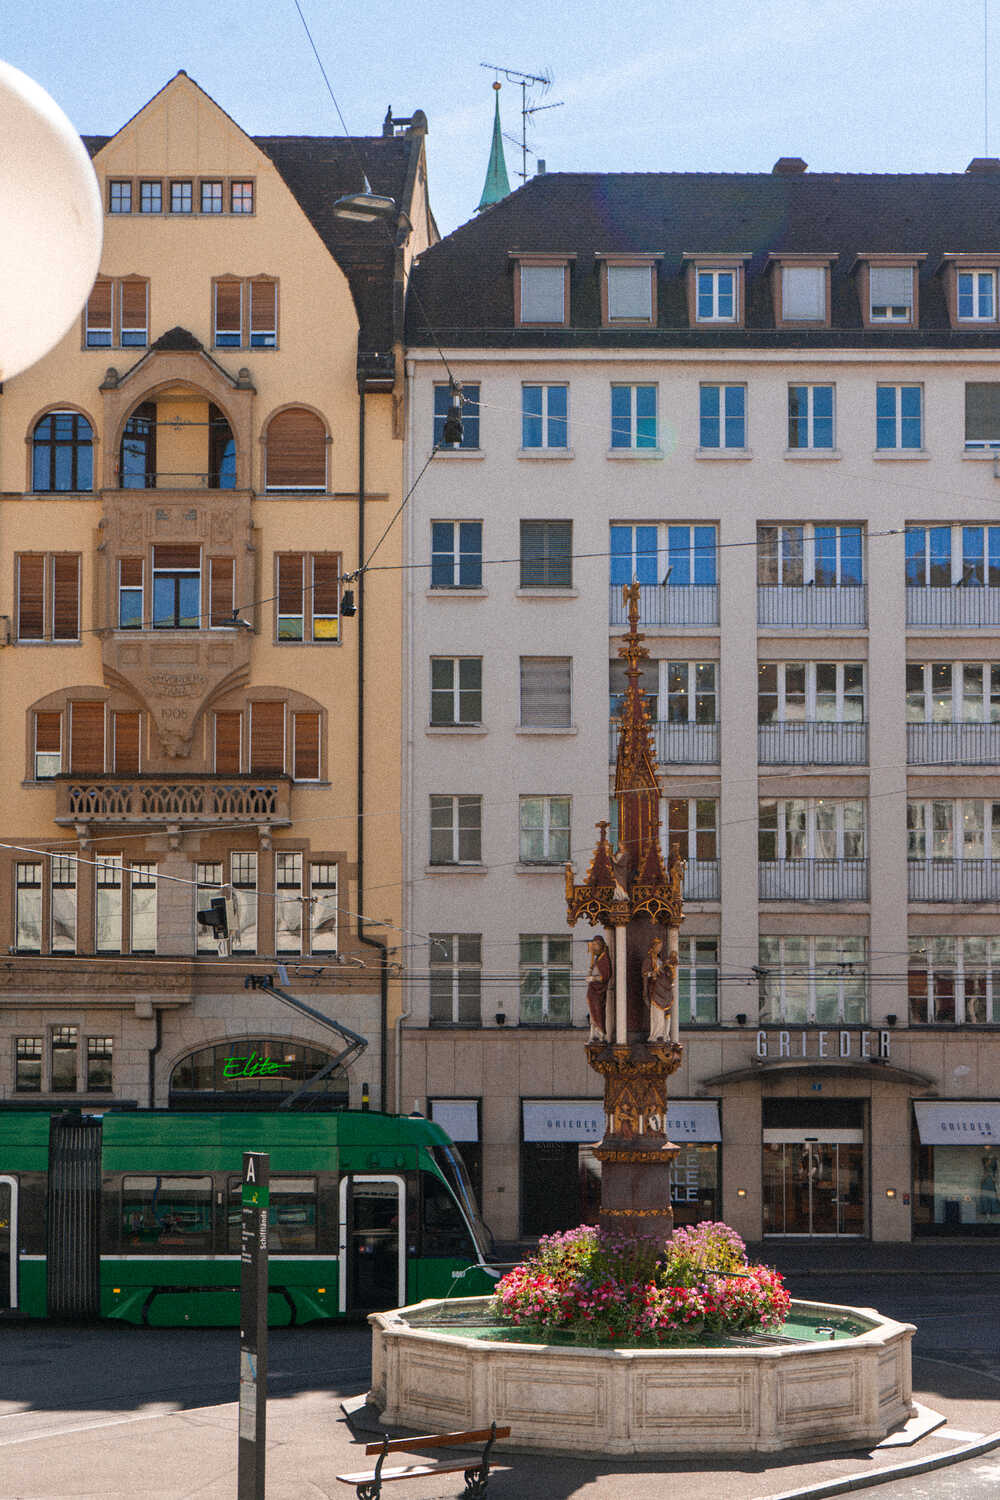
pixel 136 1215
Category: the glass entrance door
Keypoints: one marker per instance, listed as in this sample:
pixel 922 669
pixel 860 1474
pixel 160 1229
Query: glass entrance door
pixel 372 1243
pixel 814 1186
pixel 8 1243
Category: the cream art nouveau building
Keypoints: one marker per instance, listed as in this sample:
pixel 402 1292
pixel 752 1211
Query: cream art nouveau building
pixel 187 699
pixel 773 400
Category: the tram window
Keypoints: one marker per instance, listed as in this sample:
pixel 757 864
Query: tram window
pixel 172 1214
pixel 444 1229
pixel 291 1216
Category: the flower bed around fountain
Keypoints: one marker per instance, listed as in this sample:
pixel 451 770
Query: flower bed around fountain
pixel 634 1351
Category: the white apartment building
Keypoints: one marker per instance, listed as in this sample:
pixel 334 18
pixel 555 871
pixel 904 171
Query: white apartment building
pixel 774 399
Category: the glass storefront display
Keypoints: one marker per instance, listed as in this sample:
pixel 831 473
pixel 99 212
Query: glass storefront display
pixel 813 1167
pixel 561 1175
pixel 956 1168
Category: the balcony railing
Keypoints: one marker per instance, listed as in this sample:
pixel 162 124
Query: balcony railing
pixel 823 607
pixel 965 605
pixel 953 879
pixel 182 800
pixel 953 744
pixel 678 744
pixel 701 880
pixel 666 604
pixel 812 879
pixel 812 743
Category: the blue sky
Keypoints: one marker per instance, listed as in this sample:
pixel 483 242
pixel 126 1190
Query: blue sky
pixel 646 86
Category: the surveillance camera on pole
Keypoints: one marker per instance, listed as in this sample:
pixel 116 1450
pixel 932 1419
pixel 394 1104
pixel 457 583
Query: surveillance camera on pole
pixel 220 916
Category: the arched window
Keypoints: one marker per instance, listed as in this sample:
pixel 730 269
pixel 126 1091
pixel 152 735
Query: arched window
pixel 138 455
pixel 62 455
pixel 248 1072
pixel 296 451
pixel 221 451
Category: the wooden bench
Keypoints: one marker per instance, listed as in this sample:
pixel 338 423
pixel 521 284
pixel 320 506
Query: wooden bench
pixel 369 1484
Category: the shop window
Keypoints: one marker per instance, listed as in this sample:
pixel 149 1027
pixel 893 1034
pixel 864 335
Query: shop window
pixel 323 907
pixel 48 596
pixel 289 896
pixel 209 880
pixel 232 1072
pixel 63 893
pixel 62 454
pixel 28 906
pixel 243 878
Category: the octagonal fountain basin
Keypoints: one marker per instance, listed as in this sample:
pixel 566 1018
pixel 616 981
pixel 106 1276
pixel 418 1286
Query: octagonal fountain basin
pixel 832 1374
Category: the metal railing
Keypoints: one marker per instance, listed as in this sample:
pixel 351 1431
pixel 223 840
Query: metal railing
pixel 953 879
pixel 677 744
pixel 701 880
pixel 808 605
pixel 669 604
pixel 812 879
pixel 812 743
pixel 968 604
pixel 183 800
pixel 965 744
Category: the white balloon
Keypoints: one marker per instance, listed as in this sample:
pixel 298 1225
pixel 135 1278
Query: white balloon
pixel 51 222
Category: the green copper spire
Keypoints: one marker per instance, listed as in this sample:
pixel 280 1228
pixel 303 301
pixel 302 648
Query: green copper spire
pixel 496 185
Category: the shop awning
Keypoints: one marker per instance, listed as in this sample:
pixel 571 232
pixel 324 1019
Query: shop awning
pixel 460 1117
pixel 967 1124
pixel 583 1120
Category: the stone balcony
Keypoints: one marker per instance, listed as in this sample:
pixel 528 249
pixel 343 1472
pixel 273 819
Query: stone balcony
pixel 172 802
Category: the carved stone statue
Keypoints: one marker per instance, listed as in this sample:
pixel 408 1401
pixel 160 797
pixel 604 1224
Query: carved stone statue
pixel 598 980
pixel 621 864
pixel 658 989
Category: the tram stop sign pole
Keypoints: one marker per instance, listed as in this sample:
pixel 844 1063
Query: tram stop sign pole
pixel 253 1325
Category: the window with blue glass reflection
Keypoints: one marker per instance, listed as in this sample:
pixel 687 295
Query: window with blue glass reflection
pixel 898 416
pixel 633 416
pixel 137 468
pixel 176 588
pixel 722 416
pixel 456 554
pixel 62 453
pixel 470 416
pixel 543 416
pixel 810 416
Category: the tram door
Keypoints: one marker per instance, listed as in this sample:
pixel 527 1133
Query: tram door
pixel 8 1243
pixel 372 1243
pixel 814 1184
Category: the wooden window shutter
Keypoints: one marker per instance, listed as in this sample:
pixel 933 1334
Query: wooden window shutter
pixel 99 305
pixel 176 557
pixel 48 733
pixel 134 305
pixel 325 594
pixel 86 738
pixel 228 741
pixel 30 597
pixel 66 597
pixel 228 306
pixel 306 730
pixel 290 583
pixel 267 738
pixel 130 572
pixel 127 728
pixel 221 575
pixel 296 451
pixel 263 306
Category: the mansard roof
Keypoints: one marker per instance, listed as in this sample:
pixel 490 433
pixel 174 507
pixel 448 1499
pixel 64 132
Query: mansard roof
pixel 463 284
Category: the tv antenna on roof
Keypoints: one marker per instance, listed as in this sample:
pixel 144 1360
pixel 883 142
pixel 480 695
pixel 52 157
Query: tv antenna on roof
pixel 526 81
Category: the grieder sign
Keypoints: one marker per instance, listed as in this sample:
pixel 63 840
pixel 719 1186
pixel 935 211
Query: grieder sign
pixel 842 1045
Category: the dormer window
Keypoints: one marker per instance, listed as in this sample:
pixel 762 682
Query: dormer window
pixel 541 291
pixel 628 291
pixel 716 286
pixel 887 289
pixel 970 283
pixel 800 286
pixel 977 296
